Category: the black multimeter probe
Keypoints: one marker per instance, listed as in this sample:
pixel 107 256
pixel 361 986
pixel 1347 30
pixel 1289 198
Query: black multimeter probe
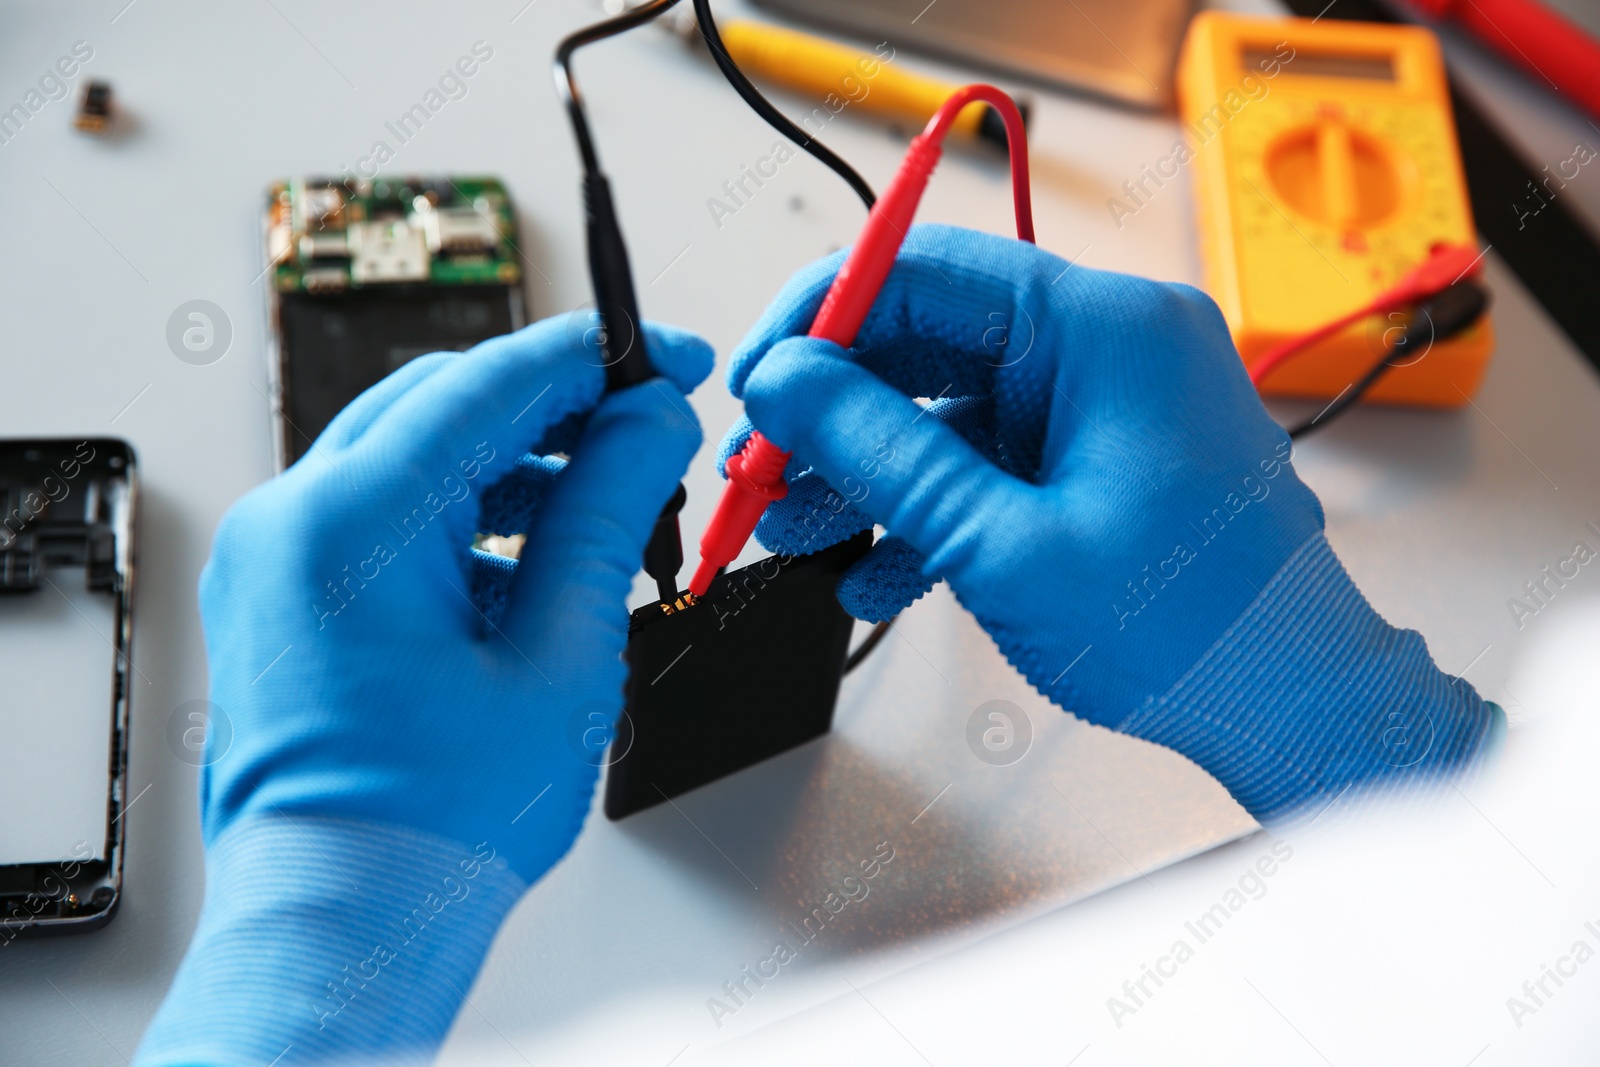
pixel 625 356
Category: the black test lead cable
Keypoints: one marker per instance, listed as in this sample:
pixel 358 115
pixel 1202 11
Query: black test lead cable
pixel 1437 318
pixel 615 301
pixel 763 107
pixel 621 338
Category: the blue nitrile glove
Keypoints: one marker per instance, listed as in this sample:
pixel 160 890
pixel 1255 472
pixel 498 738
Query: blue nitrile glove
pixel 1101 487
pixel 400 768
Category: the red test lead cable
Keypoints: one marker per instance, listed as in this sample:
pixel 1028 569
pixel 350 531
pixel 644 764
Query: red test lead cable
pixel 1445 265
pixel 755 474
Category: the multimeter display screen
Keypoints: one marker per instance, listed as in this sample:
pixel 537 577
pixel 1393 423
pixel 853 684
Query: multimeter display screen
pixel 1325 65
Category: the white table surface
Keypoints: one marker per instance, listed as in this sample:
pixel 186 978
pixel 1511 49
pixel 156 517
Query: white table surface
pixel 967 956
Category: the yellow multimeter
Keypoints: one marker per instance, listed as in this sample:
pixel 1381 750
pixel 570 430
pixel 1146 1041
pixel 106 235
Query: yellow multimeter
pixel 1326 168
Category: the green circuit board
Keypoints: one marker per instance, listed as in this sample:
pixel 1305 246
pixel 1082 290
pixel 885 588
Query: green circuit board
pixel 328 235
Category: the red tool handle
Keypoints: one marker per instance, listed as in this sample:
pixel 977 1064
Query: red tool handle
pixel 1531 35
pixel 755 474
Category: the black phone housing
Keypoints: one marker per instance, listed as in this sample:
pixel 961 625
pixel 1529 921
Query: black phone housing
pixel 71 503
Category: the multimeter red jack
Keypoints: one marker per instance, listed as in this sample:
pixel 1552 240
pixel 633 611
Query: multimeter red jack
pixel 1326 170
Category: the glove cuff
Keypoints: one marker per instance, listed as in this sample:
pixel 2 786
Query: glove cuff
pixel 1311 693
pixel 325 938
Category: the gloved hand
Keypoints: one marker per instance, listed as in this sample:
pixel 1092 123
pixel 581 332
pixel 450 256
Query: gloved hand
pixel 1101 487
pixel 401 766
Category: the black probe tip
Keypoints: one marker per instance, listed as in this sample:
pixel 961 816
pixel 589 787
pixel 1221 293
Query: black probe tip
pixel 663 554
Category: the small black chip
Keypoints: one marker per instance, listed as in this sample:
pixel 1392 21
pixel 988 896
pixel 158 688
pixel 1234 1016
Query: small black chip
pixel 94 107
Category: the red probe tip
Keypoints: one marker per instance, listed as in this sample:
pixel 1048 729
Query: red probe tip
pixel 755 479
pixel 704 575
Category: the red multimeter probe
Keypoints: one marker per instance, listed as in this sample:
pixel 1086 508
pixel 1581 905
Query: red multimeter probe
pixel 755 474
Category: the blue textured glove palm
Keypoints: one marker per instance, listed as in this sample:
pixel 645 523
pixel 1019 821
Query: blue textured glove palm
pixel 1101 487
pixel 403 765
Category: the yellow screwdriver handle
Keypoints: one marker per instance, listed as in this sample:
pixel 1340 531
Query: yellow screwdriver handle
pixel 818 67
